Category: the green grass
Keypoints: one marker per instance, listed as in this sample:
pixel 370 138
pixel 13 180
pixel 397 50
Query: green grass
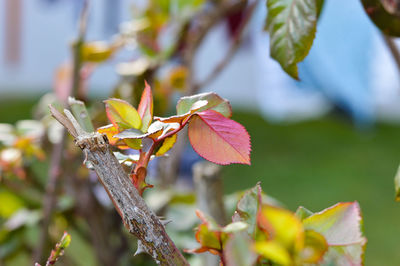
pixel 315 164
pixel 319 163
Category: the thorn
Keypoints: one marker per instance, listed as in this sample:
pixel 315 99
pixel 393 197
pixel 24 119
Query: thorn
pixel 164 221
pixel 140 248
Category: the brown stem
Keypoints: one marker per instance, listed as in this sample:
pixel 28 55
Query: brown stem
pixel 136 215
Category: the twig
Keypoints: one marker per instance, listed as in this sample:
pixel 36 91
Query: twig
pixel 137 217
pixel 57 153
pixel 205 21
pixel 393 49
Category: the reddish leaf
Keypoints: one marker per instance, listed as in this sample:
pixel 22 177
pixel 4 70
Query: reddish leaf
pixel 145 108
pixel 219 139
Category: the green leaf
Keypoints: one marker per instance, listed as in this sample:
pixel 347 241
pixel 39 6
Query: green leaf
pixel 387 20
pixel 214 102
pixel 81 114
pixel 292 26
pixel 122 115
pixel 65 240
pixel 303 213
pixel 247 208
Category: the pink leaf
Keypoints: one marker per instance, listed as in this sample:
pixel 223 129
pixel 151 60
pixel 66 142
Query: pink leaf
pixel 219 139
pixel 145 108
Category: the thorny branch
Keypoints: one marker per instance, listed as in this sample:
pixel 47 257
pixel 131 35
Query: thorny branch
pixel 137 217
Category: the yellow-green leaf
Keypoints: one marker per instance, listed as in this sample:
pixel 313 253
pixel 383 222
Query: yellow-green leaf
pixel 122 115
pixel 167 144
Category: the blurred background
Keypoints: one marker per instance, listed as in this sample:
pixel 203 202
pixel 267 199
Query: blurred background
pixel 332 136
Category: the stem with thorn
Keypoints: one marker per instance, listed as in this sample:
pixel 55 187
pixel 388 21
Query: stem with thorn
pixel 136 215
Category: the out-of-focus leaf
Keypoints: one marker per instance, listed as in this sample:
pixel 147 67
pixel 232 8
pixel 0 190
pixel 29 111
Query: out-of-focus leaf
pixel 96 52
pixel 397 184
pixel 22 217
pixel 134 68
pixel 282 226
pixel 247 208
pixel 81 114
pixel 7 135
pixel 214 102
pixel 10 204
pixel 207 235
pixel 30 129
pixel 315 247
pixel 388 23
pixel 238 251
pixel 292 26
pixel 122 115
pixel 178 78
pixel 11 162
pixel 213 237
pixel 145 108
pixel 273 251
pixel 341 225
pixel 219 139
pixel 234 227
pixel 303 213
